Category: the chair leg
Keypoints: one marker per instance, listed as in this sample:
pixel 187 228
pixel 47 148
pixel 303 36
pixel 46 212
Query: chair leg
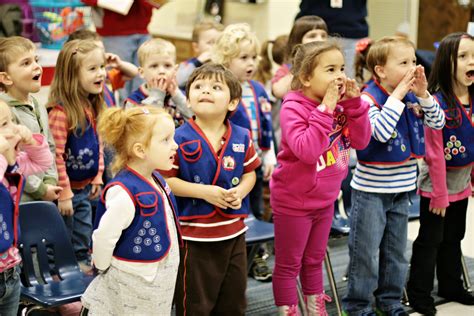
pixel 405 300
pixel 28 309
pixel 301 302
pixel 332 282
pixel 465 274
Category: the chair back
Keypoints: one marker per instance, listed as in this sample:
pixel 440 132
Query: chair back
pixel 45 245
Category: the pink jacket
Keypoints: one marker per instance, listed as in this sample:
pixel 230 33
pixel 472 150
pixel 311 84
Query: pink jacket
pixel 314 154
pixel 32 159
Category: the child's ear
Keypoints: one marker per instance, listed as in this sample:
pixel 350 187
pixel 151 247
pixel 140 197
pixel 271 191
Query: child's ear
pixel 305 80
pixel 5 79
pixel 380 72
pixel 233 104
pixel 138 150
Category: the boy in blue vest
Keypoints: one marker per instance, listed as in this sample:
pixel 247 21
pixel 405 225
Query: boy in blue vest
pixel 386 171
pixel 157 58
pixel 212 176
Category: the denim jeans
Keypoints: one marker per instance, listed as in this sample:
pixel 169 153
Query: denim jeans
pixel 126 47
pixel 9 292
pixel 80 224
pixel 377 243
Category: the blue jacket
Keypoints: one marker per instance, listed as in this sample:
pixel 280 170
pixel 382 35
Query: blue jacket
pixel 198 163
pixel 264 120
pixel 407 140
pixel 9 211
pixel 458 134
pixel 147 238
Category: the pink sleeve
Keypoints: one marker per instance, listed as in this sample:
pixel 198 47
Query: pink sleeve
pixel 436 167
pixel 307 137
pixel 280 73
pixel 360 131
pixel 35 158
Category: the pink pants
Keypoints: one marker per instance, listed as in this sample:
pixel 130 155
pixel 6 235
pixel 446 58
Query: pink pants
pixel 300 247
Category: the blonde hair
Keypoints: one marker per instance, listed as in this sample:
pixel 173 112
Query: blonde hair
pixel 227 45
pixel 122 128
pixel 66 89
pixel 11 48
pixel 205 26
pixel 379 51
pixel 155 46
pixel 306 58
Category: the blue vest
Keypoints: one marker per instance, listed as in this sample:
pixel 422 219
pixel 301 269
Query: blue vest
pixel 458 134
pixel 139 95
pixel 82 154
pixel 264 119
pixel 147 238
pixel 408 138
pixel 198 163
pixel 109 97
pixel 9 211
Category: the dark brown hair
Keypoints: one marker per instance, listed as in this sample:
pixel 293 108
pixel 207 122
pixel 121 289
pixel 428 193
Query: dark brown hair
pixel 302 26
pixel 277 55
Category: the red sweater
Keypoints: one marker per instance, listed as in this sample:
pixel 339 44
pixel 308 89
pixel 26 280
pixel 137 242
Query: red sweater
pixel 135 22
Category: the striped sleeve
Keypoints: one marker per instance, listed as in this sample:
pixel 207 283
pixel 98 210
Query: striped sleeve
pixel 58 126
pixel 434 115
pixel 252 161
pixel 384 120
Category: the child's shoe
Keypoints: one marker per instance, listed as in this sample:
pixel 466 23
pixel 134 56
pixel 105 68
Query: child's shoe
pixel 260 270
pixel 316 304
pixel 288 310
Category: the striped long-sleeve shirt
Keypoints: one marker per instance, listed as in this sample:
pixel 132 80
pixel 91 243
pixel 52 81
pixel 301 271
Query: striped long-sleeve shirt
pixel 58 124
pixel 380 178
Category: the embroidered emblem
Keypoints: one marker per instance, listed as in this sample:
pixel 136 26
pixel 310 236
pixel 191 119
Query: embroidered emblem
pixel 228 163
pixel 238 148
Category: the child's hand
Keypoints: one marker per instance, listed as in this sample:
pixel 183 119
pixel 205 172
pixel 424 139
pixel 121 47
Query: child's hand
pixel 113 60
pixel 52 193
pixel 158 83
pixel 421 84
pixel 438 211
pixel 172 84
pixel 352 89
pixel 404 85
pixel 216 195
pixel 234 198
pixel 8 145
pixel 26 137
pixel 65 207
pixel 332 95
pixel 95 190
pixel 265 105
pixel 267 171
pixel 204 57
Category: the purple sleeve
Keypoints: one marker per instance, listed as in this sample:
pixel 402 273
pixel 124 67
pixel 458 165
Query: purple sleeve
pixel 434 158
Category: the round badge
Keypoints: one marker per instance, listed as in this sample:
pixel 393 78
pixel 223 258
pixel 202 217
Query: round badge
pixel 197 179
pixel 457 143
pixel 147 224
pixel 137 240
pixel 403 148
pixel 152 231
pixel 462 149
pixel 448 157
pixel 447 150
pixel 147 241
pixel 157 247
pixel 394 134
pixel 450 144
pixel 156 239
pixel 6 235
pixel 235 181
pixel 453 138
pixel 455 151
pixel 137 249
pixel 141 232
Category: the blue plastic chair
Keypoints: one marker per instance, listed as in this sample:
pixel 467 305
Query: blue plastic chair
pixel 258 233
pixel 50 274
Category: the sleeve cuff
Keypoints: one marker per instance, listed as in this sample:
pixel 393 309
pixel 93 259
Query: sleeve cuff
pixel 39 193
pixel 439 202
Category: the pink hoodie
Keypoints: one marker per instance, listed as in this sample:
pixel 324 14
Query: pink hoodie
pixel 314 154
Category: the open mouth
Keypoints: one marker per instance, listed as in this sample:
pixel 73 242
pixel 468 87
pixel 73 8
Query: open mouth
pixel 470 74
pixel 37 77
pixel 99 82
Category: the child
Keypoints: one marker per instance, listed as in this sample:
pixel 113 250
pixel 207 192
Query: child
pixel 20 76
pixel 265 73
pixel 212 175
pixel 385 173
pixel 203 38
pixel 320 121
pixel 445 180
pixel 15 164
pixel 362 72
pixel 135 241
pixel 157 59
pixel 237 49
pixel 305 30
pixel 76 100
pixel 118 71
